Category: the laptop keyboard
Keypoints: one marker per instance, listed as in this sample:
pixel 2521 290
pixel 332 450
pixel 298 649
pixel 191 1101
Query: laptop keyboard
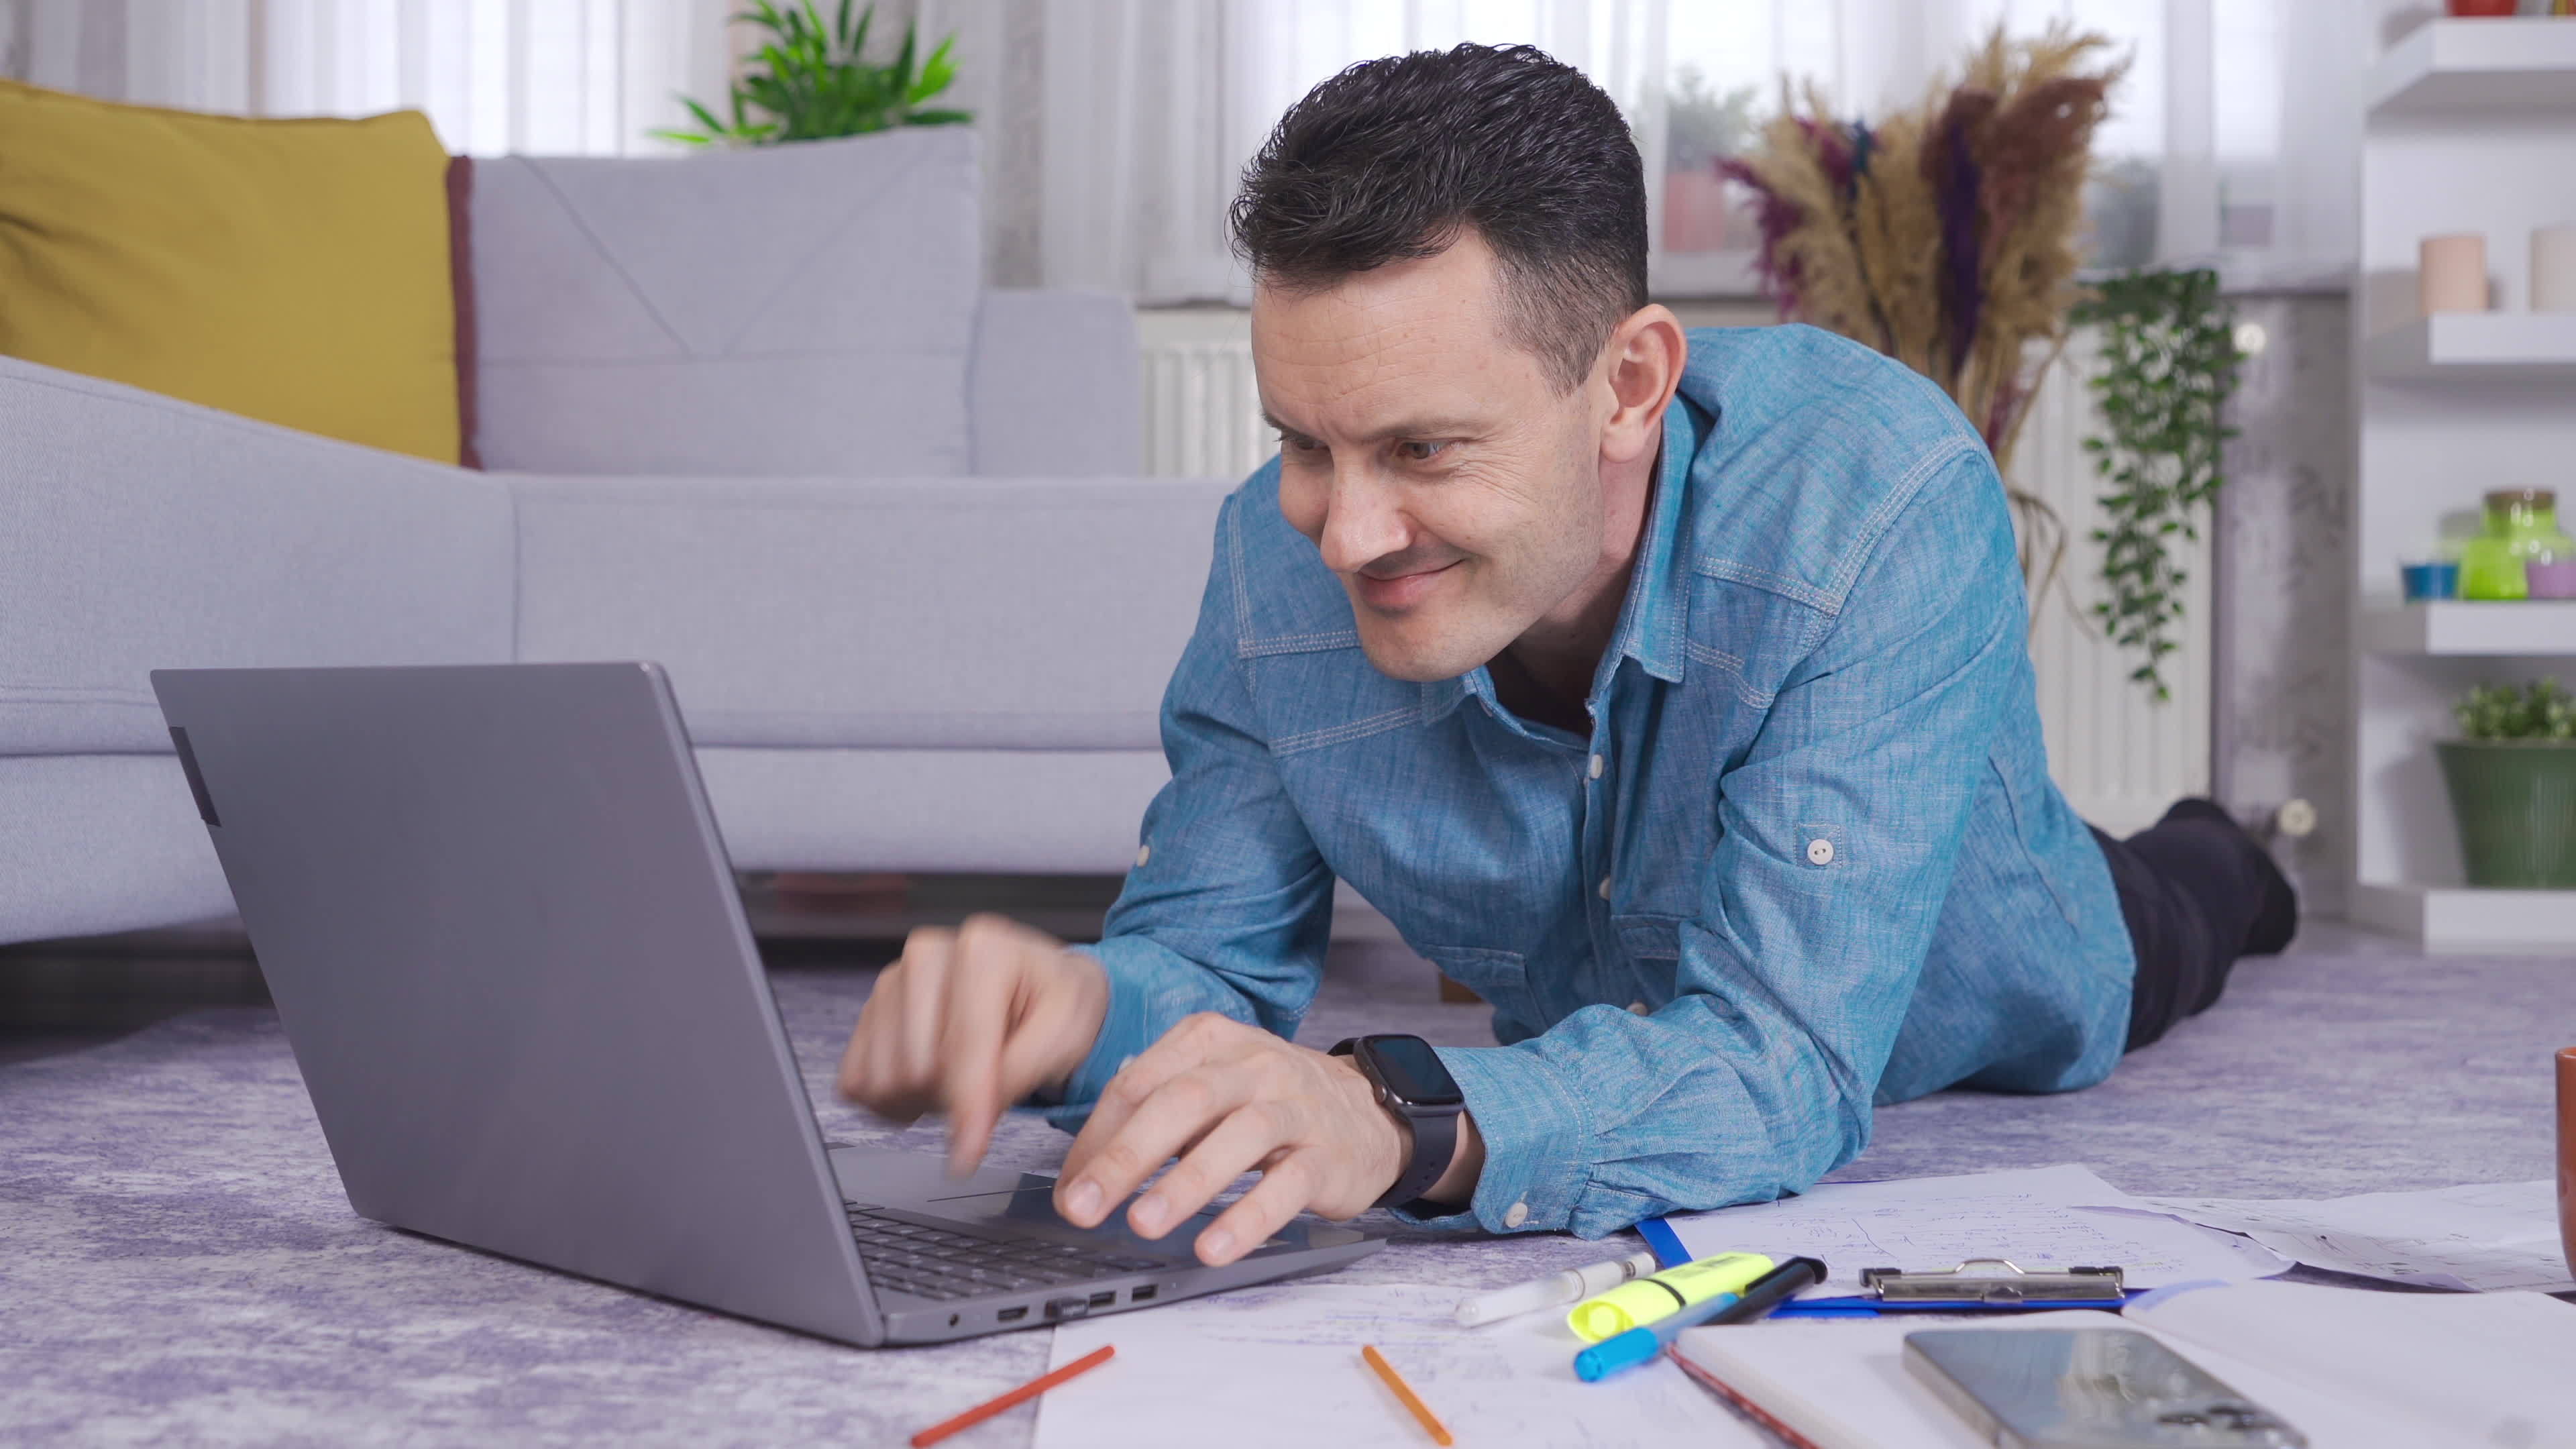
pixel 942 1264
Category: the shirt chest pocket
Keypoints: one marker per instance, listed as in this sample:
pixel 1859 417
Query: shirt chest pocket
pixel 1651 947
pixel 1501 977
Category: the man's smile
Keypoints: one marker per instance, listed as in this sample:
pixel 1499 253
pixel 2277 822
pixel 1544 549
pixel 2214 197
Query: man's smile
pixel 1400 591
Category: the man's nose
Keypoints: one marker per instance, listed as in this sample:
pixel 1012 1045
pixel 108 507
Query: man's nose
pixel 1363 521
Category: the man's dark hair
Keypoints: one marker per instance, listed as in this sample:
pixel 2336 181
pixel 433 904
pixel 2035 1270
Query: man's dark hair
pixel 1393 158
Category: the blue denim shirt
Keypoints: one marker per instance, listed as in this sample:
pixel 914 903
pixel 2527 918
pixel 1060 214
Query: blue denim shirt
pixel 1809 859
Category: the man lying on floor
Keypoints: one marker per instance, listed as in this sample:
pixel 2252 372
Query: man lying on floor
pixel 1671 690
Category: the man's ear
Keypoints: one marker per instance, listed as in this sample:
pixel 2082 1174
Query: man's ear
pixel 1643 365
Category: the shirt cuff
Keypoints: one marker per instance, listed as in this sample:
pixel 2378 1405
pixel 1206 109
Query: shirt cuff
pixel 1535 1132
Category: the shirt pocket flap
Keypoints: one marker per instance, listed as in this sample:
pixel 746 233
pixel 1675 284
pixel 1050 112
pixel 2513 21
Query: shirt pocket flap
pixel 1649 938
pixel 1484 971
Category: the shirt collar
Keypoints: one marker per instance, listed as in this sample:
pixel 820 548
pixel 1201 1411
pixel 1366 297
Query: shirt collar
pixel 1658 607
pixel 1652 619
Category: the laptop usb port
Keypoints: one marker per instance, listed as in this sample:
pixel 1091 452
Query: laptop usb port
pixel 1144 1294
pixel 1013 1315
pixel 1104 1298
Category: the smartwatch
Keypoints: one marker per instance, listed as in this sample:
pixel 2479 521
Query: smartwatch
pixel 1412 1084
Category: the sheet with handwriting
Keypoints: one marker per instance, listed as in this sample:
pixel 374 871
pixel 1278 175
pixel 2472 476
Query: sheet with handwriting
pixel 2041 1217
pixel 1279 1365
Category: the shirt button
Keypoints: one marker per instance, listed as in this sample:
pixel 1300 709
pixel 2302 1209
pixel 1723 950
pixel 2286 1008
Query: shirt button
pixel 1515 1215
pixel 1144 853
pixel 1596 767
pixel 1638 1007
pixel 1820 851
pixel 1605 887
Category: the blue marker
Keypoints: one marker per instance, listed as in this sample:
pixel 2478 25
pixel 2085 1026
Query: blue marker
pixel 1641 1344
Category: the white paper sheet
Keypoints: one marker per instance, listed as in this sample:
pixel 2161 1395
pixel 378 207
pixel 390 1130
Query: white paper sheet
pixel 2040 1217
pixel 2433 1368
pixel 2493 1236
pixel 1280 1365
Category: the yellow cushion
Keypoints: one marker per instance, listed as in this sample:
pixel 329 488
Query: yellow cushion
pixel 294 271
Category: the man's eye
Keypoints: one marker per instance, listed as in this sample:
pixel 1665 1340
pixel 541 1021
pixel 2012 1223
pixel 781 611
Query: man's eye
pixel 1415 450
pixel 1300 445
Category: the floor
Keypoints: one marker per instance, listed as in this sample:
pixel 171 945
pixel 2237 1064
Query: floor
pixel 183 1268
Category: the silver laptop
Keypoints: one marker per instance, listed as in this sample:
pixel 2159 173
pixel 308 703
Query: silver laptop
pixel 504 940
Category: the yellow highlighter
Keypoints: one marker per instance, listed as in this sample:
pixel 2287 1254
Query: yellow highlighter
pixel 1664 1294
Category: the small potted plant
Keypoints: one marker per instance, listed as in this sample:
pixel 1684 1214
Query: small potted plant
pixel 1701 128
pixel 2512 776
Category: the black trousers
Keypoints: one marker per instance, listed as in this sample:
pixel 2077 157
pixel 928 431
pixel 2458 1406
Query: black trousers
pixel 2197 892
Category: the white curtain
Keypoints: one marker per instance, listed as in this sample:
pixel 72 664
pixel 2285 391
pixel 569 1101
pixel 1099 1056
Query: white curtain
pixel 2233 139
pixel 558 76
pixel 1115 130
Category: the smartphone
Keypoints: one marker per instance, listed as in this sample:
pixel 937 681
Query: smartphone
pixel 2087 1388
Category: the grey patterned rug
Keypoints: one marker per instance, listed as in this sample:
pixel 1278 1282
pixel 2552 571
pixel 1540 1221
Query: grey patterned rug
pixel 178 1265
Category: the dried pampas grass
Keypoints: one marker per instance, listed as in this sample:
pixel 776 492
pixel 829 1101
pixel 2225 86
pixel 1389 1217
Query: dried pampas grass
pixel 1946 237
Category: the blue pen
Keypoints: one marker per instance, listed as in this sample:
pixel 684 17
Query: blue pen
pixel 1640 1344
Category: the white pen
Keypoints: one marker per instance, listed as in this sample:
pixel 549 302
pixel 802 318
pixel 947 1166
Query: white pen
pixel 1571 1286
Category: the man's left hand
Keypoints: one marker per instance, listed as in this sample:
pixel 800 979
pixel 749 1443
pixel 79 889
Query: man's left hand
pixel 1230 1099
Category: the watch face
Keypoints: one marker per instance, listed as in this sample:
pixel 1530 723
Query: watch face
pixel 1412 1071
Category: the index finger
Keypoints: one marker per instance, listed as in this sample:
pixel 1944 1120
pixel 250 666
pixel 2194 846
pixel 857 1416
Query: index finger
pixel 981 986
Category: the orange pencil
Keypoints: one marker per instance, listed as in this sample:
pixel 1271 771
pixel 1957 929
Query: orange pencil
pixel 1020 1395
pixel 1430 1422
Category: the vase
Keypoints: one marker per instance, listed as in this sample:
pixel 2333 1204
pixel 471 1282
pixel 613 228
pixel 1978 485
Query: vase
pixel 2451 273
pixel 2514 802
pixel 1694 211
pixel 2552 579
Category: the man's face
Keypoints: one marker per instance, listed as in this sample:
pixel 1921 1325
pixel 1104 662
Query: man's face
pixel 1450 484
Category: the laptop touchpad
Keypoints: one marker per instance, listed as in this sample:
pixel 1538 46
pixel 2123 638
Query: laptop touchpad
pixel 1032 1205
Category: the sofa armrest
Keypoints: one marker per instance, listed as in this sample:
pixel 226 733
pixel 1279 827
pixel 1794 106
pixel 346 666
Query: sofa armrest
pixel 1055 390
pixel 138 532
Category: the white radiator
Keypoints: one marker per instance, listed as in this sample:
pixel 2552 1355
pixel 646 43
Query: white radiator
pixel 2119 756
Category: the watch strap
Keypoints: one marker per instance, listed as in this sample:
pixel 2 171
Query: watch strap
pixel 1435 1141
pixel 1435 1137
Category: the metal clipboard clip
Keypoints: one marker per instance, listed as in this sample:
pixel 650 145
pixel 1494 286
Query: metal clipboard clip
pixel 1993 1280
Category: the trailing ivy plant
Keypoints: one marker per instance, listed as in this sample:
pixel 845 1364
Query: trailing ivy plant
pixel 2168 366
pixel 810 82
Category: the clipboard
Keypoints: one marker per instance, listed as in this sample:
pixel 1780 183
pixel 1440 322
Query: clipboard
pixel 1979 1285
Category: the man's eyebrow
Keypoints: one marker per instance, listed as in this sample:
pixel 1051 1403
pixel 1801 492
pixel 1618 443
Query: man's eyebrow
pixel 1408 428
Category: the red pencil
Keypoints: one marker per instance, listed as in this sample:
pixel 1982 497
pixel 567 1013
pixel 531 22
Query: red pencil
pixel 1020 1395
pixel 1743 1404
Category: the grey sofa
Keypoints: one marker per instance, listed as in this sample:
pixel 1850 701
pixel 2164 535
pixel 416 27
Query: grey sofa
pixel 921 621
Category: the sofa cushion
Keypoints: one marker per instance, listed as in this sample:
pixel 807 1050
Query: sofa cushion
pixel 872 613
pixel 140 533
pixel 801 309
pixel 293 271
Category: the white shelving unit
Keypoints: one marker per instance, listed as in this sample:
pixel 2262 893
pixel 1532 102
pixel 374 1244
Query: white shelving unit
pixel 2470 125
pixel 2529 347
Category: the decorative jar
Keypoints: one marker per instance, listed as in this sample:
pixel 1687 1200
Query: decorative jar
pixel 2521 529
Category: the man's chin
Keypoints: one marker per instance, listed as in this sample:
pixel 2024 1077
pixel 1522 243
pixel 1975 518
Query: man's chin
pixel 1413 660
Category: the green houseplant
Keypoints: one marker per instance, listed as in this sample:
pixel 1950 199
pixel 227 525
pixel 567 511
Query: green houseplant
pixel 2512 777
pixel 2168 366
pixel 810 81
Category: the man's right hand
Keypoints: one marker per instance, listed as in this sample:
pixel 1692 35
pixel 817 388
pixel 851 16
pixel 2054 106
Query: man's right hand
pixel 971 1021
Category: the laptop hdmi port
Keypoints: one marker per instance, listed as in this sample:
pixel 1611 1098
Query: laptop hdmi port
pixel 1013 1315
